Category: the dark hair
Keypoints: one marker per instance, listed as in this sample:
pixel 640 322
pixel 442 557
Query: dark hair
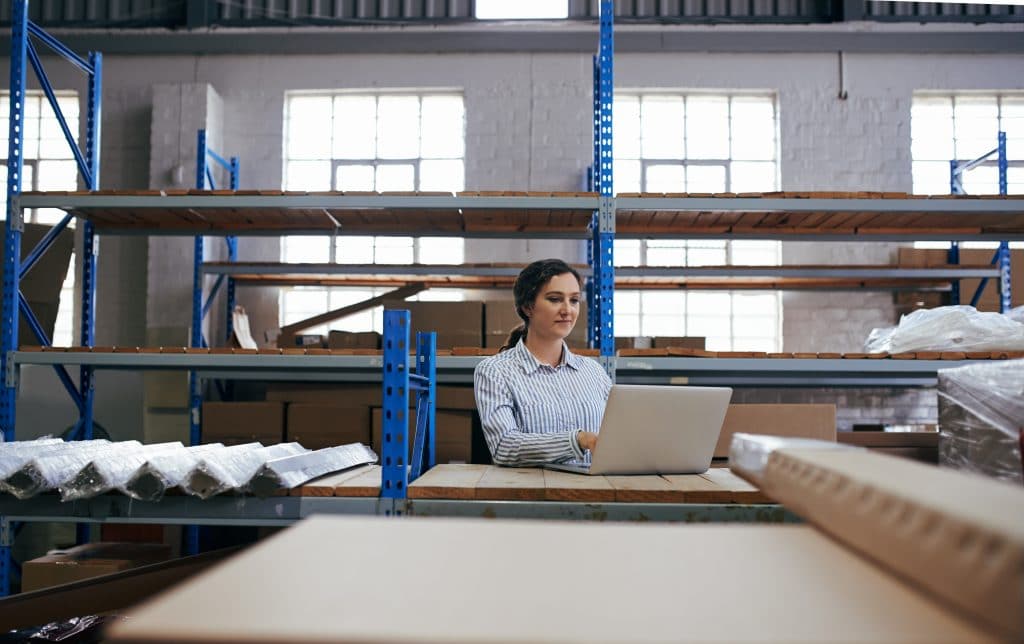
pixel 528 284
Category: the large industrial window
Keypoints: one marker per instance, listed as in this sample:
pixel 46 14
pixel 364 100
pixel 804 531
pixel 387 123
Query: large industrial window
pixel 698 143
pixel 964 127
pixel 381 142
pixel 521 9
pixel 47 164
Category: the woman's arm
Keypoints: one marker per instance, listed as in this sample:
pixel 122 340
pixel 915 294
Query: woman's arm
pixel 509 445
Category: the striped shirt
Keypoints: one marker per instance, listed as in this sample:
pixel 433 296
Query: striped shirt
pixel 531 412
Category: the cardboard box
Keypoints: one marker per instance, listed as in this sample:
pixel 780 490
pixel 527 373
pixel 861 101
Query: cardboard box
pixel 90 560
pixel 457 324
pixel 800 421
pixel 342 395
pixel 350 340
pixel 453 441
pixel 989 301
pixel 233 423
pixel 631 342
pixel 500 318
pixel 319 425
pixel 452 397
pixel 663 342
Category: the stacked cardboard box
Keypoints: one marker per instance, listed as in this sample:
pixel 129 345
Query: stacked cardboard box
pixel 453 425
pixel 234 423
pixel 989 301
pixel 798 421
pixel 457 324
pixel 90 560
pixel 351 340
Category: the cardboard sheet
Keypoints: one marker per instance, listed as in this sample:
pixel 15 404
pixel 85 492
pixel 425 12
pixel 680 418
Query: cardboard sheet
pixel 491 581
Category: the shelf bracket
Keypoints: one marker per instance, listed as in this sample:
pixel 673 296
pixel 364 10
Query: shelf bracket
pixel 16 219
pixel 11 375
pixel 606 215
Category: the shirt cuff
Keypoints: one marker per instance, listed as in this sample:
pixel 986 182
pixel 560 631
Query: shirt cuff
pixel 574 443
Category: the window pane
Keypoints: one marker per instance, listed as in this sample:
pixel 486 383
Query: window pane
pixel 981 180
pixel 355 178
pixel 355 127
pixel 661 125
pixel 705 178
pixel 752 176
pixel 303 303
pixel 393 250
pixel 627 302
pixel 711 303
pixel 442 250
pixel 755 253
pixel 355 250
pixel 308 117
pixel 357 322
pixel 755 304
pixel 308 176
pixel 626 135
pixel 666 252
pixel 707 127
pixel 627 253
pixel 445 176
pixel 443 127
pixel 521 9
pixel 931 128
pixel 705 257
pixel 57 175
pixel 306 250
pixel 398 127
pixel 396 178
pixel 627 176
pixel 931 177
pixel 665 178
pixel 975 126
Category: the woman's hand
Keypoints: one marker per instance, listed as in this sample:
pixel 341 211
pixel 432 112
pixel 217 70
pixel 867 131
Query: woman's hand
pixel 586 440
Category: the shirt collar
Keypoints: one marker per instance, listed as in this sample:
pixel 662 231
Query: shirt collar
pixel 530 363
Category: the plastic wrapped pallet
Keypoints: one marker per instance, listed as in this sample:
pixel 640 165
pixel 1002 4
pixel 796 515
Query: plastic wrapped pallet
pixel 222 471
pixel 50 471
pixel 104 474
pixel 164 471
pixel 16 454
pixel 949 328
pixel 292 471
pixel 981 419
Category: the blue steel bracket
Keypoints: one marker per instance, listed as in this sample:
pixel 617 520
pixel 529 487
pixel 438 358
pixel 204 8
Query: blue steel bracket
pixel 395 403
pixel 424 448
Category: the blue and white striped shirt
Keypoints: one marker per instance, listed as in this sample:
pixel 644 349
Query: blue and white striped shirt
pixel 531 412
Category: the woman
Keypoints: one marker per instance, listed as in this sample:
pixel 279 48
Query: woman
pixel 538 402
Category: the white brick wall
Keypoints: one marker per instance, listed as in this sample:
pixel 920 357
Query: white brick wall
pixel 529 127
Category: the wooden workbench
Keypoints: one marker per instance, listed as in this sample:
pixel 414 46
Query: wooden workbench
pixel 492 483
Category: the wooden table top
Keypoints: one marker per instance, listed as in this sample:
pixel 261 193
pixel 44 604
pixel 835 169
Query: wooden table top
pixel 493 483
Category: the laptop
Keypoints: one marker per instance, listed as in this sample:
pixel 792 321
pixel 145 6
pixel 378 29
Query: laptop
pixel 648 429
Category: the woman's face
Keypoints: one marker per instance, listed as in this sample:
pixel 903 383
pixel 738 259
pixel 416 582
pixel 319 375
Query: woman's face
pixel 554 311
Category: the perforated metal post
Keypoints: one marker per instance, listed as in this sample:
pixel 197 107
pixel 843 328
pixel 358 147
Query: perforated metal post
pixel 1004 247
pixel 12 247
pixel 232 244
pixel 953 254
pixel 604 220
pixel 395 423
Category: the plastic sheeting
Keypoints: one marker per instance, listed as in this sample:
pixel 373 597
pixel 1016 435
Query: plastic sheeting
pixel 292 471
pixel 50 471
pixel 981 419
pixel 220 472
pixel 14 455
pixel 165 471
pixel 749 453
pixel 949 328
pixel 104 474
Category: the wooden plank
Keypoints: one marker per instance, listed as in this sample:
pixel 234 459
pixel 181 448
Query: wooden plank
pixel 449 481
pixel 696 489
pixel 644 489
pixel 739 490
pixel 366 484
pixel 565 486
pixel 511 484
pixel 325 485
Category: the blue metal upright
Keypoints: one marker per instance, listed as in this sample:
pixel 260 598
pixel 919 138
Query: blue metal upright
pixel 603 223
pixel 398 382
pixel 1002 254
pixel 23 53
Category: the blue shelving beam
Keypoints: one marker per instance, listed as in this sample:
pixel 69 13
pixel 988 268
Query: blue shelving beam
pixel 23 52
pixel 1002 254
pixel 601 254
pixel 399 381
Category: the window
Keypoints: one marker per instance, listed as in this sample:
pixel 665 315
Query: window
pixel 370 142
pixel 521 9
pixel 964 127
pixel 47 164
pixel 698 143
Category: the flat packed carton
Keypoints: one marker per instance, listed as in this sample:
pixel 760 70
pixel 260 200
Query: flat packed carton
pixel 457 324
pixel 798 421
pixel 350 340
pixel 319 425
pixel 234 423
pixel 454 439
pixel 90 560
